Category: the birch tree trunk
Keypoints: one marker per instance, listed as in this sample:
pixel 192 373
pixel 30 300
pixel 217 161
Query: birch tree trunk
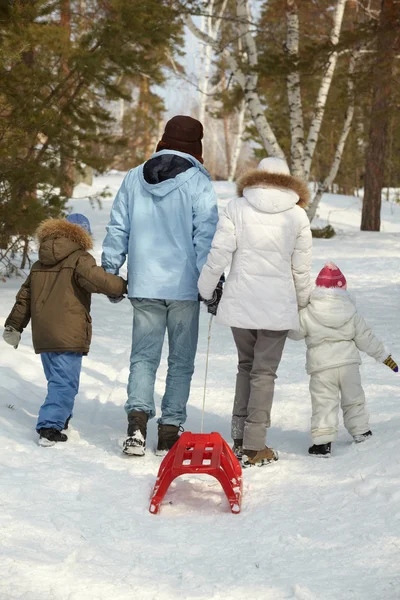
pixel 249 87
pixel 325 185
pixel 323 92
pixel 294 90
pixel 238 141
pixel 388 35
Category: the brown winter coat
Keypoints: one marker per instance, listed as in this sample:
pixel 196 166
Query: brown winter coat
pixel 57 293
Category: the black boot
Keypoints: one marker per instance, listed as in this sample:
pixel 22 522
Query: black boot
pixel 320 450
pixel 50 436
pixel 168 435
pixel 361 437
pixel 237 448
pixel 67 423
pixel 135 443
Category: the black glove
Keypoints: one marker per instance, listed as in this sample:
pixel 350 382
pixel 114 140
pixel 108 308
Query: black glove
pixel 212 305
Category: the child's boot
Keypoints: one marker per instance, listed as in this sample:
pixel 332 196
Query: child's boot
pixel 135 443
pixel 50 436
pixel 323 450
pixel 361 437
pixel 259 458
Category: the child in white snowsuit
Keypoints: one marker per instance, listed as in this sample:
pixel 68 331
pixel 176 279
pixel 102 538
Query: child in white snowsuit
pixel 334 333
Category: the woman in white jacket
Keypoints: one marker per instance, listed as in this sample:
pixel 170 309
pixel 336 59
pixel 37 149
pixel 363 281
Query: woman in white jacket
pixel 334 334
pixel 265 235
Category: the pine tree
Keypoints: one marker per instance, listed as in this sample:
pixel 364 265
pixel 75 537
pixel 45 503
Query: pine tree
pixel 57 79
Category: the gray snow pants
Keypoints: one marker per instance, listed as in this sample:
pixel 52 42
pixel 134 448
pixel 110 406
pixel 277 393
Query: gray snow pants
pixel 259 353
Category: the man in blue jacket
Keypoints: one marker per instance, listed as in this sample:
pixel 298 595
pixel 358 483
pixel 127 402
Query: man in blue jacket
pixel 163 218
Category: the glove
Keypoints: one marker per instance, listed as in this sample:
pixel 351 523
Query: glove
pixel 115 300
pixel 389 362
pixel 11 336
pixel 212 305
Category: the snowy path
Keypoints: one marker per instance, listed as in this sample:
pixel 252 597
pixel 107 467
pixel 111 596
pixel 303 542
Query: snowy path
pixel 73 519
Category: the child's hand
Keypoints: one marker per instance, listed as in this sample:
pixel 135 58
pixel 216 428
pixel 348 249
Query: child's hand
pixel 115 300
pixel 389 362
pixel 12 336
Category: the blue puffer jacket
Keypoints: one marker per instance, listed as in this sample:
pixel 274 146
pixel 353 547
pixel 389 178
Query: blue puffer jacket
pixel 164 218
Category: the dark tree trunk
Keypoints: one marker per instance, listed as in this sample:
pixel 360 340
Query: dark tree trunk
pixel 382 78
pixel 66 160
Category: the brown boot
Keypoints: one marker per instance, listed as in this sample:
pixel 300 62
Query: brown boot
pixel 259 458
pixel 135 442
pixel 168 435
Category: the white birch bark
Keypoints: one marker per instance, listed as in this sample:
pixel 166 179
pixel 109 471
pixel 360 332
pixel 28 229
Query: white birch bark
pixel 293 85
pixel 252 99
pixel 323 92
pixel 238 141
pixel 212 31
pixel 323 186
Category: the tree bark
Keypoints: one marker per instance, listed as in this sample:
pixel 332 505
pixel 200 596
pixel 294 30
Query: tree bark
pixel 238 142
pixel 66 160
pixel 326 184
pixel 388 37
pixel 293 85
pixel 319 110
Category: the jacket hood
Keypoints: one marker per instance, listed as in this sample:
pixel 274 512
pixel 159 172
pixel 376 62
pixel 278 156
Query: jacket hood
pixel 58 238
pixel 272 192
pixel 331 307
pixel 169 175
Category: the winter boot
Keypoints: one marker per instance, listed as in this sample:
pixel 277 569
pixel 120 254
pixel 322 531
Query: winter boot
pixel 361 437
pixel 258 458
pixel 135 443
pixel 50 436
pixel 67 423
pixel 168 435
pixel 323 450
pixel 237 449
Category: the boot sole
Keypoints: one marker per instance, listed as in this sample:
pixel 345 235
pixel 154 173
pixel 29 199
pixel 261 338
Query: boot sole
pixel 162 452
pixel 134 451
pixel 45 443
pixel 262 463
pixel 320 455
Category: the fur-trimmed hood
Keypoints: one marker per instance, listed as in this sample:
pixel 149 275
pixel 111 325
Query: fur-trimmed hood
pixel 258 179
pixel 58 238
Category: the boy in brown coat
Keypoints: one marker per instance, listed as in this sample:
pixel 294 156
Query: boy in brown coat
pixel 56 297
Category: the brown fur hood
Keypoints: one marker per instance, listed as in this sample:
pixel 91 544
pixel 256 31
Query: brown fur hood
pixel 61 228
pixel 262 179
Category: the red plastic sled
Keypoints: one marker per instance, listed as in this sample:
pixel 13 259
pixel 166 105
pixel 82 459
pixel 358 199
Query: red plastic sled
pixel 206 453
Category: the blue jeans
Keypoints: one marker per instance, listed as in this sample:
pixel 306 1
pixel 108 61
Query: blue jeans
pixel 151 319
pixel 62 370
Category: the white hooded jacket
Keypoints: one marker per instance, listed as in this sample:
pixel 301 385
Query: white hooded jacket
pixel 334 332
pixel 266 234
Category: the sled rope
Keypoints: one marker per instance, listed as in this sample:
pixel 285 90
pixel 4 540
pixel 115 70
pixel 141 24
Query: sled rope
pixel 206 374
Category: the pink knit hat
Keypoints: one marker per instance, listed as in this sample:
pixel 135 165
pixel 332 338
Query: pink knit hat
pixel 331 277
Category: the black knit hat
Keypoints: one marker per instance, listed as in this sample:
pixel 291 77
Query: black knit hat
pixel 183 134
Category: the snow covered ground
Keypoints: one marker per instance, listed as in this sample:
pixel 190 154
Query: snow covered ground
pixel 74 519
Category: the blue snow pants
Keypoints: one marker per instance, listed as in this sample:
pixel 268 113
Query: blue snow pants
pixel 62 370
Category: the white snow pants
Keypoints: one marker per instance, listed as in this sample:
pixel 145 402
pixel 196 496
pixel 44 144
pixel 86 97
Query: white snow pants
pixel 329 389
